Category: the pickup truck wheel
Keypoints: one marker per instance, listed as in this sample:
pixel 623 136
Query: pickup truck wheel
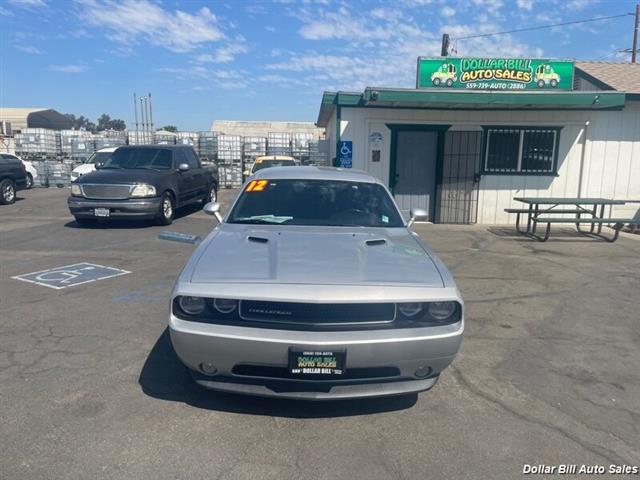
pixel 7 192
pixel 29 181
pixel 167 209
pixel 213 195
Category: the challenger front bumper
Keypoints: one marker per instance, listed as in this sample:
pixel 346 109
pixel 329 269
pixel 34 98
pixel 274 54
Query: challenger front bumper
pixel 130 208
pixel 245 359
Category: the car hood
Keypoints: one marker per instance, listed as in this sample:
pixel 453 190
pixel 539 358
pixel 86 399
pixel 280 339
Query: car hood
pixel 125 176
pixel 314 255
pixel 84 168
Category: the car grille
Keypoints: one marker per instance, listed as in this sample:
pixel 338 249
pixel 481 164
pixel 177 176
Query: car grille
pixel 106 192
pixel 317 313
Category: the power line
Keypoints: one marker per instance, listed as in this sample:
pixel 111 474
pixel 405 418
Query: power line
pixel 541 27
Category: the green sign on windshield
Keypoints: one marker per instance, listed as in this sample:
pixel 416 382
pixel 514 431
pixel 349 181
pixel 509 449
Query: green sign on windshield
pixel 494 73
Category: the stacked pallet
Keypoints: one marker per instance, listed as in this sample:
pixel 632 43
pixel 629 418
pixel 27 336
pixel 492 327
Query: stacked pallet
pixel 278 143
pixel 187 138
pixel 230 175
pixel 229 149
pixel 70 137
pixel 207 147
pixel 34 143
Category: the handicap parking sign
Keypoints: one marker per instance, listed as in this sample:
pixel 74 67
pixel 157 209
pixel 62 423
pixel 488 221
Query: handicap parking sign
pixel 70 275
pixel 345 155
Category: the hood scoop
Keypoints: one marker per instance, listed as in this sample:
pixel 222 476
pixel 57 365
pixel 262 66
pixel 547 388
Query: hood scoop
pixel 375 242
pixel 255 239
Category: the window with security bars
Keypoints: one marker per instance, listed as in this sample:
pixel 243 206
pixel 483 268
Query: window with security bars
pixel 521 150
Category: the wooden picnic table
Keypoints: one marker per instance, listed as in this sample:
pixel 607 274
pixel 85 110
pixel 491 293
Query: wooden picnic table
pixel 539 209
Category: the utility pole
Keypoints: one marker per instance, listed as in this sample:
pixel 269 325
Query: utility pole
pixel 634 47
pixel 151 115
pixel 444 51
pixel 135 113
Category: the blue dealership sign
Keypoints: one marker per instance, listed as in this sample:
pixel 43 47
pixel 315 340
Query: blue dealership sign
pixel 345 155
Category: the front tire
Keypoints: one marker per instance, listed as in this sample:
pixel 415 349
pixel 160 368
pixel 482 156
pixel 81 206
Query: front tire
pixel 7 192
pixel 212 196
pixel 29 181
pixel 436 82
pixel 167 209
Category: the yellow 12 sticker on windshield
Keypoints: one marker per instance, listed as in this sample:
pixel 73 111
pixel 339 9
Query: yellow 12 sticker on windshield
pixel 256 185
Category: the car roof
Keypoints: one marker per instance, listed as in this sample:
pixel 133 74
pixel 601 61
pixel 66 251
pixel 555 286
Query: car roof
pixel 159 145
pixel 262 158
pixel 315 173
pixel 109 149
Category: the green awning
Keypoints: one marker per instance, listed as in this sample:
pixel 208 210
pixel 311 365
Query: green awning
pixel 469 100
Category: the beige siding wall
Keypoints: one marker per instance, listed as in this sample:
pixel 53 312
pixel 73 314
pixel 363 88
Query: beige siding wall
pixel 611 157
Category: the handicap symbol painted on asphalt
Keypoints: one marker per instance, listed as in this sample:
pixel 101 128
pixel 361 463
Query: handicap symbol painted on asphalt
pixel 70 275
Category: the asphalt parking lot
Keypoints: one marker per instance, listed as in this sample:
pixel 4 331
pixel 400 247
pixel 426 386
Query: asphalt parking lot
pixel 90 388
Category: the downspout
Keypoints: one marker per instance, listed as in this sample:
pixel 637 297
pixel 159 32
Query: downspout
pixel 582 153
pixel 338 133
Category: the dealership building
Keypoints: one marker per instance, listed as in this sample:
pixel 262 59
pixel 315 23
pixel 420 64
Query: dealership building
pixel 477 132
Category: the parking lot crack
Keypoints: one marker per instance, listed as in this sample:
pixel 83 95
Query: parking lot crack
pixel 611 455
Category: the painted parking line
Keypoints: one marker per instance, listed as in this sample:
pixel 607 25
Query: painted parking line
pixel 67 276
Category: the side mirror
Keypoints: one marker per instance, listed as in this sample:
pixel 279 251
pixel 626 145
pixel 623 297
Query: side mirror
pixel 97 165
pixel 213 208
pixel 418 215
pixel 246 173
pixel 183 167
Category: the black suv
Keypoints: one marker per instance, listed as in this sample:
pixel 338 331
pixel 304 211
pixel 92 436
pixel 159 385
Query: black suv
pixel 13 177
pixel 145 182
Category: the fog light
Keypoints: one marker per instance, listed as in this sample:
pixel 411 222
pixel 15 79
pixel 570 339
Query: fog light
pixel 208 368
pixel 423 372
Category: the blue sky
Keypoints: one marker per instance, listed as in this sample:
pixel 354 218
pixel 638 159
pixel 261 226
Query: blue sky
pixel 264 60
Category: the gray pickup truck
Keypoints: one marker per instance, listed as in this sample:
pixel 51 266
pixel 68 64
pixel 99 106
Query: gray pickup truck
pixel 143 182
pixel 13 177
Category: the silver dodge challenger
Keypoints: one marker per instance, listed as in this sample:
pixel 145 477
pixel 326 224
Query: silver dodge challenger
pixel 314 287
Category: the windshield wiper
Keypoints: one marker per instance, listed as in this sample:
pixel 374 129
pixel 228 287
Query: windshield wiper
pixel 263 219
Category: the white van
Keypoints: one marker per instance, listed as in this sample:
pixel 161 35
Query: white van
pixel 99 156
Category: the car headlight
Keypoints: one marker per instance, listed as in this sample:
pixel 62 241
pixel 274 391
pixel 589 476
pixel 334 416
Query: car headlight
pixel 442 311
pixel 192 305
pixel 410 309
pixel 143 190
pixel 224 305
pixel 76 190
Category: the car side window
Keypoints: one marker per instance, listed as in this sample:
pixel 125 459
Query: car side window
pixel 163 160
pixel 179 157
pixel 192 159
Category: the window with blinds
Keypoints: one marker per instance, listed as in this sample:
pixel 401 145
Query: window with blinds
pixel 521 150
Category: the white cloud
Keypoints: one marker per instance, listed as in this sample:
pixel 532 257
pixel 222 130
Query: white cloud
pixel 4 12
pixel 448 11
pixel 68 68
pixel 29 3
pixel 525 5
pixel 342 25
pixel 131 20
pixel 29 49
pixel 579 4
pixel 269 28
pixel 224 54
pixel 492 6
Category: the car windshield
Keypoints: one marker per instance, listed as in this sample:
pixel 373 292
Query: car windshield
pixel 259 165
pixel 315 202
pixel 144 158
pixel 99 157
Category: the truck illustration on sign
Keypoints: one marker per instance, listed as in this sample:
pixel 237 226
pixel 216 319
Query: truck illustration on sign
pixel 446 74
pixel 545 75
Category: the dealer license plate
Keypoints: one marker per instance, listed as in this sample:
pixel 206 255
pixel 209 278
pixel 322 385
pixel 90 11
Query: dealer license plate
pixel 101 212
pixel 317 362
